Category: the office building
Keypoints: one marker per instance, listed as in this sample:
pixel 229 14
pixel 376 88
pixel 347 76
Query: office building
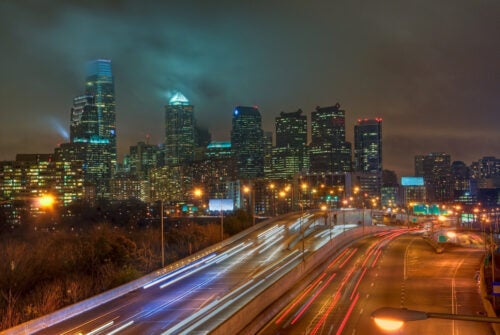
pixel 290 153
pixel 247 140
pixel 435 168
pixel 179 131
pixel 368 155
pixel 100 85
pixel 368 145
pixel 141 159
pixel 329 152
pixel 93 130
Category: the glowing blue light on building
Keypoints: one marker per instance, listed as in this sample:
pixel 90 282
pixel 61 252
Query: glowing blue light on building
pixel 236 112
pixel 214 145
pixel 178 99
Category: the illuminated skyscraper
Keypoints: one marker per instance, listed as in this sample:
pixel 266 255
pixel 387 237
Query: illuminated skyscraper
pixel 93 129
pixel 100 84
pixel 436 170
pixel 247 140
pixel 329 152
pixel 368 145
pixel 179 131
pixel 290 153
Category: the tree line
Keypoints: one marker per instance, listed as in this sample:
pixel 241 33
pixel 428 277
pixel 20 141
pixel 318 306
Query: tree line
pixel 57 260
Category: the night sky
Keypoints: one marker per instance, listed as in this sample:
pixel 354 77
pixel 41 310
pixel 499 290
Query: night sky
pixel 430 69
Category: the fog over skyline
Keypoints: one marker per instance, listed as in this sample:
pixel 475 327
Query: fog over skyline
pixel 429 68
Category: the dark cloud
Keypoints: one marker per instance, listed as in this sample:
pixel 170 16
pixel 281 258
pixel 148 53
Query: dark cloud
pixel 430 69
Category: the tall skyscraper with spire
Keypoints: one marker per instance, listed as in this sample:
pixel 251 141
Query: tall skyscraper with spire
pixel 93 130
pixel 100 85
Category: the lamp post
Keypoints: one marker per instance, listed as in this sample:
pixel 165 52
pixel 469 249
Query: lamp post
pixel 300 227
pixel 162 235
pixel 392 319
pixel 198 193
pixel 251 192
pixel 221 222
pixel 273 210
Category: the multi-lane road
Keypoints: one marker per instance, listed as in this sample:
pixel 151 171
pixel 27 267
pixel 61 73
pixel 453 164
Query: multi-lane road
pixel 393 269
pixel 203 293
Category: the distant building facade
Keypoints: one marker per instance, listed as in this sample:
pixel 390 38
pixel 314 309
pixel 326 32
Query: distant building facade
pixel 247 140
pixel 290 155
pixel 435 168
pixel 329 152
pixel 179 131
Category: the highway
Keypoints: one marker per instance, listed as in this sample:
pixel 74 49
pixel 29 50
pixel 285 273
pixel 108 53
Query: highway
pixel 203 293
pixel 394 269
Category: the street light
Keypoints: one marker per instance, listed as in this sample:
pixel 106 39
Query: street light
pixel 272 186
pixel 198 193
pixel 301 230
pixel 46 201
pixel 392 319
pixel 251 192
pixel 162 235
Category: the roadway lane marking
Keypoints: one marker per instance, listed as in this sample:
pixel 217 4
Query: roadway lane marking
pixel 405 266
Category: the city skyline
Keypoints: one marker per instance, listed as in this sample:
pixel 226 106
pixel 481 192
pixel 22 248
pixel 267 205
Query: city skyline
pixel 433 84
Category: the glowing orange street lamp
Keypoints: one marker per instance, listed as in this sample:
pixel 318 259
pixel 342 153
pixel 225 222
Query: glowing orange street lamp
pixel 392 319
pixel 46 201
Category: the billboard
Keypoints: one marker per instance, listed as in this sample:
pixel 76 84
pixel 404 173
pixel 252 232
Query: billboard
pixel 412 181
pixel 216 205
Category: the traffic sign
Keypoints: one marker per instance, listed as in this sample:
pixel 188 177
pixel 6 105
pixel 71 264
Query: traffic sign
pixel 496 288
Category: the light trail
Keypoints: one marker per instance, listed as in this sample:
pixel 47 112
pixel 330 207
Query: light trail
pixel 299 299
pixel 379 252
pixel 348 258
pixel 218 309
pixel 321 321
pixel 348 315
pixel 270 231
pixel 101 328
pixel 268 268
pixel 310 301
pixel 122 327
pixel 217 260
pixel 178 298
pixel 358 282
pixel 337 258
pixel 178 271
pixel 283 266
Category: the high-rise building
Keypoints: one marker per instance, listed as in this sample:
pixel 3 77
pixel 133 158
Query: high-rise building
pixel 368 145
pixel 84 123
pixel 290 152
pixel 461 178
pixel 93 129
pixel 247 139
pixel 436 170
pixel 179 131
pixel 368 155
pixel 329 152
pixel 141 159
pixel 101 86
